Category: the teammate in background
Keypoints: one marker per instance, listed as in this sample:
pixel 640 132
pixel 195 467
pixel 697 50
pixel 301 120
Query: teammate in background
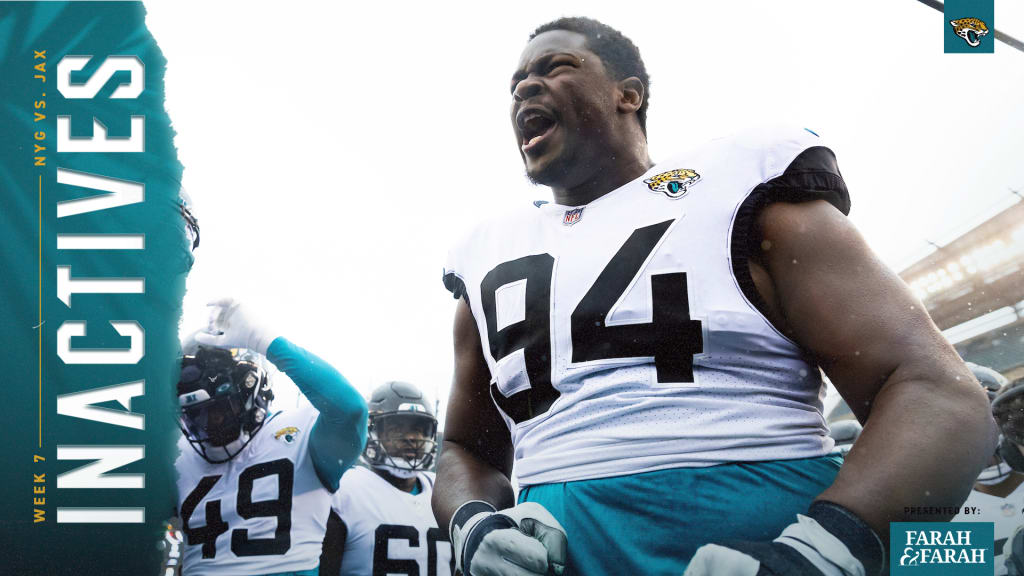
pixel 652 341
pixel 255 487
pixel 997 496
pixel 381 521
pixel 1008 409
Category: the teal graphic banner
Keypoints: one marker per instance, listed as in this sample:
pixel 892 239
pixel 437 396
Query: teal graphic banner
pixel 96 248
pixel 969 26
pixel 941 548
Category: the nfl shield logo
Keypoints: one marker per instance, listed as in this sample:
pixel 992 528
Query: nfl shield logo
pixel 572 216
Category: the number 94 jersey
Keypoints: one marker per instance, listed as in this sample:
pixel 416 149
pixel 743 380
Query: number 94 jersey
pixel 621 336
pixel 263 512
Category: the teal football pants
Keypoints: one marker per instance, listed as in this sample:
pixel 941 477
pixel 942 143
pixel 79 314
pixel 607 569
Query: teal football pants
pixel 652 523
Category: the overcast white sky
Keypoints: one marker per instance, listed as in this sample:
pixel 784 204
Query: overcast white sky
pixel 333 153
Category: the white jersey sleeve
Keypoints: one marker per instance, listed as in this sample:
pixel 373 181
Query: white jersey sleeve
pixel 624 336
pixel 263 512
pixel 387 530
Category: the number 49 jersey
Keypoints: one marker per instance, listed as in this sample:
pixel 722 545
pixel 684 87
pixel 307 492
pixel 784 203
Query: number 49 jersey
pixel 622 336
pixel 263 512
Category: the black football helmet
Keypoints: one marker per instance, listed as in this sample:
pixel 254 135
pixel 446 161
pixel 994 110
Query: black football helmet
pixel 989 379
pixel 191 228
pixel 1008 410
pixel 401 418
pixel 223 397
pixel 999 468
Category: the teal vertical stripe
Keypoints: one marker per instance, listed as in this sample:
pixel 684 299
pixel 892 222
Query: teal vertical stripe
pixel 31 312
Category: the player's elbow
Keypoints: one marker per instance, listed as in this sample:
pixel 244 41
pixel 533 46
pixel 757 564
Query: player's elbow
pixel 352 436
pixel 976 408
pixel 960 404
pixel 348 411
pixel 357 417
pixel 357 412
pixel 936 395
pixel 347 420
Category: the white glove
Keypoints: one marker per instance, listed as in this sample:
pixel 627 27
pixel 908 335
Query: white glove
pixel 820 554
pixel 521 541
pixel 232 326
pixel 716 559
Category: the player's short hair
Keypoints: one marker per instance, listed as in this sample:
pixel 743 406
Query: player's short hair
pixel 618 53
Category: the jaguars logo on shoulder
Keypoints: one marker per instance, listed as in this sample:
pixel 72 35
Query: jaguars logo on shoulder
pixel 287 434
pixel 673 183
pixel 970 29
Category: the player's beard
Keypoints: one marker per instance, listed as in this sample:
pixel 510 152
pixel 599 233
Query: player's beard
pixel 557 169
pixel 225 452
pixel 571 168
pixel 226 434
pixel 551 175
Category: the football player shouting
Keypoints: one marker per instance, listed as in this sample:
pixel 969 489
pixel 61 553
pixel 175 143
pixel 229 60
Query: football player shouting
pixel 646 350
pixel 255 484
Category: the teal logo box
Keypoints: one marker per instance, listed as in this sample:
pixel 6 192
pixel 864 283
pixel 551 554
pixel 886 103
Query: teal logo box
pixel 968 27
pixel 941 548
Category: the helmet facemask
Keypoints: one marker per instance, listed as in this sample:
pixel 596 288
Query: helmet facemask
pixel 402 443
pixel 994 473
pixel 223 402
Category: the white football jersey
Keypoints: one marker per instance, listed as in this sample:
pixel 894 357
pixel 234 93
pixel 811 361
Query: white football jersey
pixel 617 334
pixel 389 531
pixel 1005 513
pixel 262 512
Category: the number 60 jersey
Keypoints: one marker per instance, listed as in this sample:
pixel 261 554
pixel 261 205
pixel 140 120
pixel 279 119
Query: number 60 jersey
pixel 388 531
pixel 622 336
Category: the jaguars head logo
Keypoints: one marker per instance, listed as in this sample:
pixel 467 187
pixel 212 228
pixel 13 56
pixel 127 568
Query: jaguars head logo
pixel 970 29
pixel 287 434
pixel 673 183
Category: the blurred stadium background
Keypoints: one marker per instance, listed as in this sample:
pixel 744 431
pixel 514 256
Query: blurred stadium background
pixel 972 283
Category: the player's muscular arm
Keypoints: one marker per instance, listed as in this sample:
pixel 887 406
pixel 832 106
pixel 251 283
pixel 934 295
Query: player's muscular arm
pixel 476 461
pixel 339 434
pixel 928 429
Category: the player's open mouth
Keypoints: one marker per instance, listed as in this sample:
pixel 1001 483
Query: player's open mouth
pixel 535 124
